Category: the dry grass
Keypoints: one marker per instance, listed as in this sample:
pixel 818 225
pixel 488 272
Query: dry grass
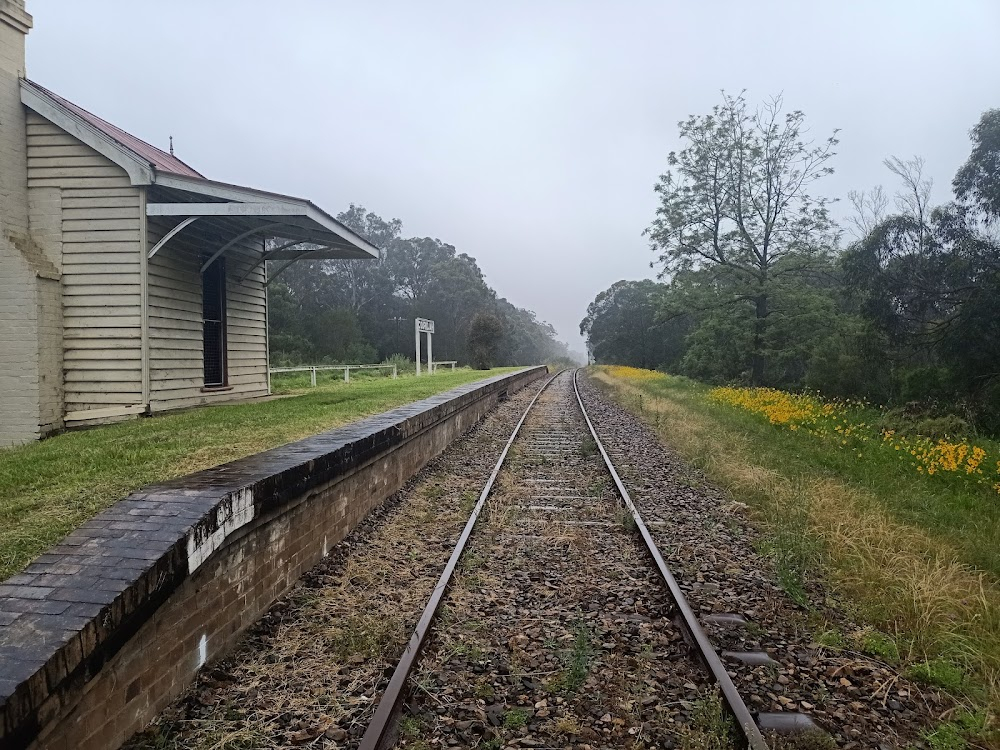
pixel 900 578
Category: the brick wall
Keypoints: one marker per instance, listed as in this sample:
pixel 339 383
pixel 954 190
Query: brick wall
pixel 101 633
pixel 19 380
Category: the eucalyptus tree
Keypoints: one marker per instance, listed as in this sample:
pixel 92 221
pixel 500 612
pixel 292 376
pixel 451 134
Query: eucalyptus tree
pixel 978 181
pixel 736 203
pixel 365 281
pixel 928 281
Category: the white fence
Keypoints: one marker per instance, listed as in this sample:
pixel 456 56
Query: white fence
pixel 346 368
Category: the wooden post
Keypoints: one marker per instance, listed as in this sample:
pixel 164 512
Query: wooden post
pixel 395 372
pixel 347 374
pixel 313 377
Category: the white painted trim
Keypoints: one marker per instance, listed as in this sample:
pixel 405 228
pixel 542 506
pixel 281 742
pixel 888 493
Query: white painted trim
pixel 224 209
pixel 233 241
pixel 166 238
pixel 143 173
pixel 267 332
pixel 234 511
pixel 343 232
pixel 139 172
pixel 239 194
pixel 144 296
pixel 218 189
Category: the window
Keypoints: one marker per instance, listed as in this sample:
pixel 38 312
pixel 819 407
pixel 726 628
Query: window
pixel 213 300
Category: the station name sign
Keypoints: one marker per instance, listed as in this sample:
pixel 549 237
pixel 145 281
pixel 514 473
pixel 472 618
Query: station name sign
pixel 425 326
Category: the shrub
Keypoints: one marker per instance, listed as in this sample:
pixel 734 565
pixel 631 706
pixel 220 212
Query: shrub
pixel 485 333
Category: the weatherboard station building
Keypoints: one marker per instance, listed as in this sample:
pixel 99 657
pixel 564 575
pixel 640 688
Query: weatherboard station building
pixel 129 283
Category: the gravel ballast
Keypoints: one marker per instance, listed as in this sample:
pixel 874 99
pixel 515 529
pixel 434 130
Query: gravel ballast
pixel 708 542
pixel 558 631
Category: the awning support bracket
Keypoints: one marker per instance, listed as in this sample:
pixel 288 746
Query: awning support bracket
pixel 166 238
pixel 284 267
pixel 234 240
pixel 277 273
pixel 264 255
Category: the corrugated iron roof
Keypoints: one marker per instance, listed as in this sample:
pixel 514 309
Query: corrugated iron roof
pixel 160 159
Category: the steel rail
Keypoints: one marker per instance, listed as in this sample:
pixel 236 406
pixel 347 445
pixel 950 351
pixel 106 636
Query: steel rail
pixel 748 727
pixel 381 732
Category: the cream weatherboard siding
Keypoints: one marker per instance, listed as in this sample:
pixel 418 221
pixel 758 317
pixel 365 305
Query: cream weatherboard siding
pixel 101 243
pixel 175 321
pixel 88 213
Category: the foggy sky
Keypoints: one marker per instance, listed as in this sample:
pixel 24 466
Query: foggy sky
pixel 527 134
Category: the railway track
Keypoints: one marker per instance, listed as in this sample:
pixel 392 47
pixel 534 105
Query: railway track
pixel 556 621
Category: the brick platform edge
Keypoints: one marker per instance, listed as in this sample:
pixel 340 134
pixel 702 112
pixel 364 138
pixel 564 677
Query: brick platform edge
pixel 100 633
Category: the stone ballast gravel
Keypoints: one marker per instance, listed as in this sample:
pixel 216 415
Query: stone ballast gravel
pixel 558 631
pixel 707 540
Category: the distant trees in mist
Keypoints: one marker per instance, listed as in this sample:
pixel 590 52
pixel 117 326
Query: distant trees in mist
pixel 362 310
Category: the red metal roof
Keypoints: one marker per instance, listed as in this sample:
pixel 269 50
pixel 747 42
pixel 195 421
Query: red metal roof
pixel 161 160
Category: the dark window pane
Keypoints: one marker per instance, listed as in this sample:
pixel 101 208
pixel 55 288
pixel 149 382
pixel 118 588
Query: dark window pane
pixel 214 315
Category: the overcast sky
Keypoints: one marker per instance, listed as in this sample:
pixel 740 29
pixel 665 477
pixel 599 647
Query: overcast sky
pixel 527 134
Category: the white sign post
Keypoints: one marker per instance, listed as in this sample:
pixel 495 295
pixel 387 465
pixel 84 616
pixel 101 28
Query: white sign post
pixel 423 325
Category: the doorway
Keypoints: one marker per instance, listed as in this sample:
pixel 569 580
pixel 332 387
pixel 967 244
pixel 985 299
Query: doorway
pixel 213 296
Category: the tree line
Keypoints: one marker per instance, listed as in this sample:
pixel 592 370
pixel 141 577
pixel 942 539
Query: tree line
pixel 899 304
pixel 350 311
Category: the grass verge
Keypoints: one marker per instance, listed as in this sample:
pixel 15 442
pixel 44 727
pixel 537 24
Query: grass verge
pixel 49 488
pixel 916 559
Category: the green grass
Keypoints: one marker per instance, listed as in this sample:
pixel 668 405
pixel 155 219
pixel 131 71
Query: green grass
pixel 880 645
pixel 966 517
pixel 515 719
pixel 410 727
pixel 50 487
pixel 952 734
pixel 711 727
pixel 576 661
pixel 939 673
